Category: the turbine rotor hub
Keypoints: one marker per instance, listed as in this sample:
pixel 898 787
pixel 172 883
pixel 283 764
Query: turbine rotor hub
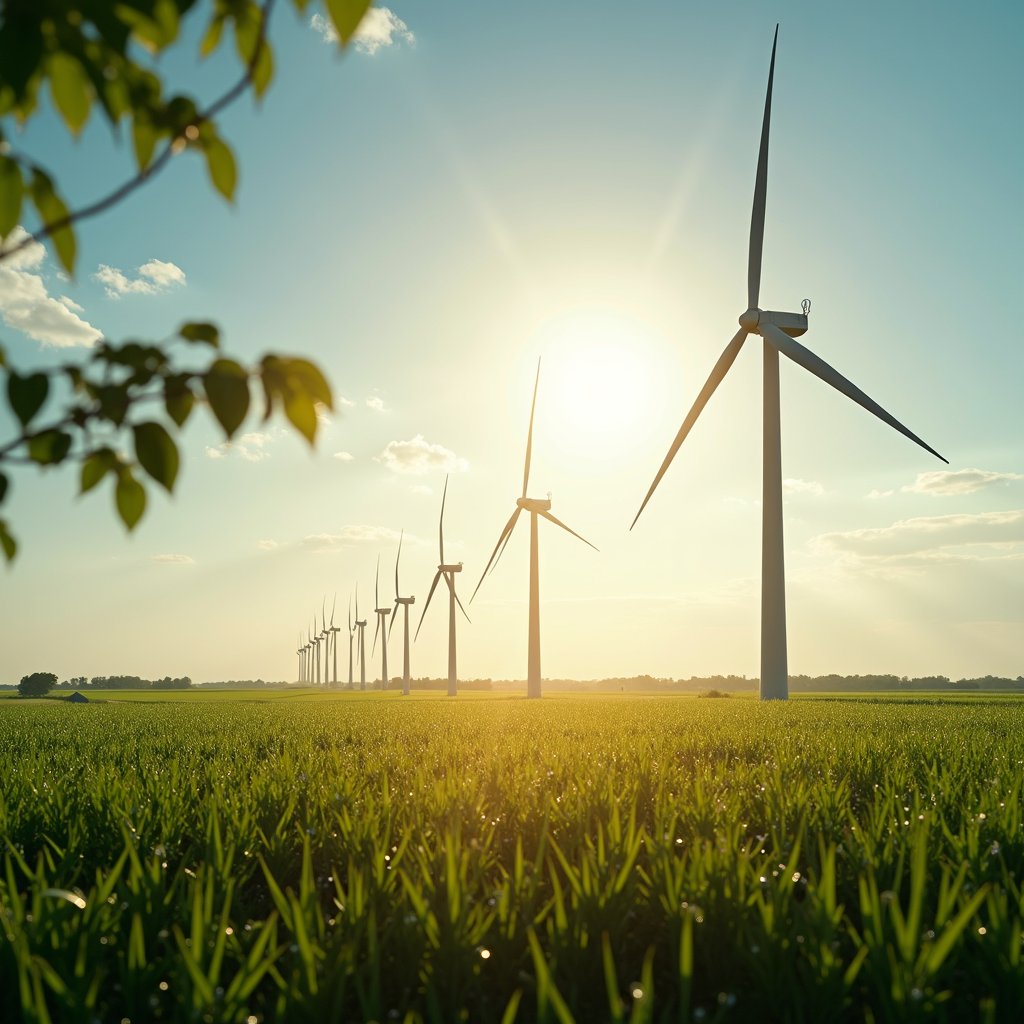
pixel 749 320
pixel 534 504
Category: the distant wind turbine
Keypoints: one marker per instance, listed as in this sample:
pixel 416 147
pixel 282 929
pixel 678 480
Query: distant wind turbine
pixel 405 602
pixel 448 572
pixel 536 507
pixel 332 642
pixel 351 637
pixel 361 626
pixel 778 331
pixel 381 630
pixel 300 650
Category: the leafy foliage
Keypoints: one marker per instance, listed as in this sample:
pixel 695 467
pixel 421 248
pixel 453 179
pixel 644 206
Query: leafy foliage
pixel 90 53
pixel 358 857
pixel 38 684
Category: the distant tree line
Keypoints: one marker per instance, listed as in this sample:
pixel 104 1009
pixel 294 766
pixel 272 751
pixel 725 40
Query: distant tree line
pixel 434 684
pixel 124 683
pixel 242 684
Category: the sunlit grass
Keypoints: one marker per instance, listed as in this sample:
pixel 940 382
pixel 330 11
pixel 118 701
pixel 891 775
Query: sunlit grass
pixel 725 859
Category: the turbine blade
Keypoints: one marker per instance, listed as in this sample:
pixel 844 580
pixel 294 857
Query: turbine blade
pixel 558 522
pixel 394 615
pixel 357 602
pixel 376 632
pixel 529 435
pixel 509 527
pixel 440 524
pixel 809 361
pixel 437 576
pixel 760 194
pixel 350 613
pixel 398 558
pixel 334 604
pixel 725 360
pixel 376 586
pixel 451 587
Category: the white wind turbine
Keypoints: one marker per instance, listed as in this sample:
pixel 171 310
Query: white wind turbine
pixel 404 602
pixel 381 630
pixel 778 332
pixel 332 642
pixel 536 507
pixel 351 638
pixel 361 626
pixel 448 572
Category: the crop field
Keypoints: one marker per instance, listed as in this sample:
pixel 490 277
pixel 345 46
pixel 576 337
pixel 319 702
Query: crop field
pixel 368 857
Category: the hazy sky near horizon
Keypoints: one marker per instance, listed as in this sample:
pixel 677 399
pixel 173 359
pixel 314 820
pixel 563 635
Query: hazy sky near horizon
pixel 480 185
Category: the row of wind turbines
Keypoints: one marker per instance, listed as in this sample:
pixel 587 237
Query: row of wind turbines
pixel 778 331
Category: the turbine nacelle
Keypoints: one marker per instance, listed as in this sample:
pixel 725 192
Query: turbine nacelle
pixel 793 324
pixel 447 568
pixel 405 600
pixel 534 504
pixel 382 611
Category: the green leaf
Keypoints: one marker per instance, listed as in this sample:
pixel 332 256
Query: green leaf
pixel 221 164
pixel 12 189
pixel 211 40
pixel 346 16
pixel 53 211
pixel 7 542
pixel 27 394
pixel 227 390
pixel 96 466
pixel 49 447
pixel 178 398
pixel 144 138
pixel 298 385
pixel 4 484
pixel 201 332
pixel 71 88
pixel 157 453
pixel 130 497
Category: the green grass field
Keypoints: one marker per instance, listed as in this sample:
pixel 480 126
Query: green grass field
pixel 281 856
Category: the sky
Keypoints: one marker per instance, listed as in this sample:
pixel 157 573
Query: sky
pixel 473 187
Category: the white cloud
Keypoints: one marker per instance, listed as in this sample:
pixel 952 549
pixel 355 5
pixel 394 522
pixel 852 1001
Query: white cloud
pixel 876 494
pixel 250 447
pixel 154 276
pixel 175 559
pixel 379 28
pixel 932 538
pixel 733 503
pixel 266 545
pixel 421 489
pixel 793 486
pixel 325 29
pixel 375 403
pixel 352 535
pixel 344 457
pixel 419 457
pixel 341 400
pixel 945 482
pixel 28 307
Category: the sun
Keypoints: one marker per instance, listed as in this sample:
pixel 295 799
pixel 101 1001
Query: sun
pixel 605 374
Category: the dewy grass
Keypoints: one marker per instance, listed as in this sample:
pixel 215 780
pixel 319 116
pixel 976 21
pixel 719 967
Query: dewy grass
pixel 375 858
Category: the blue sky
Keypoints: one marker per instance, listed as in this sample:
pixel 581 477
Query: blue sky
pixel 570 181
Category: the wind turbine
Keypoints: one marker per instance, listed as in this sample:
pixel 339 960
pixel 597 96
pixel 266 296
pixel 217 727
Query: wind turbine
pixel 351 638
pixel 361 626
pixel 382 614
pixel 778 332
pixel 536 507
pixel 334 630
pixel 448 572
pixel 405 602
pixel 299 651
pixel 325 635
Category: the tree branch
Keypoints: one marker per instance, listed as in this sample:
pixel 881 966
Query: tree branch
pixel 162 160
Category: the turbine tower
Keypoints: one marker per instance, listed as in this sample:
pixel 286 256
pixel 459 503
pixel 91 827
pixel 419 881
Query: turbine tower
pixel 361 626
pixel 448 572
pixel 405 602
pixel 333 641
pixel 299 651
pixel 536 507
pixel 778 332
pixel 351 638
pixel 382 614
